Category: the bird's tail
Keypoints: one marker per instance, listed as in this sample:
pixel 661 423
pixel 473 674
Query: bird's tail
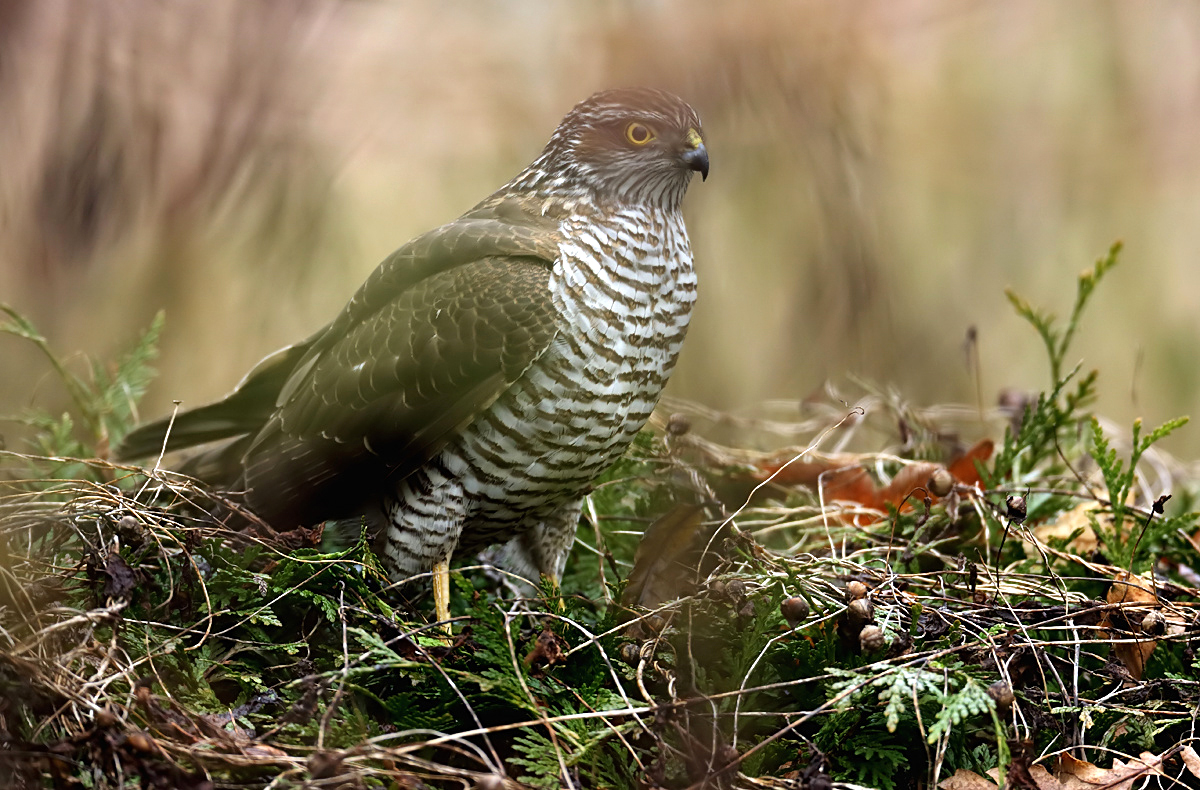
pixel 210 423
pixel 243 412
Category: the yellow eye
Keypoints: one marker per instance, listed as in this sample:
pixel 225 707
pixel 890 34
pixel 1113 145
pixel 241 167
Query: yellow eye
pixel 638 134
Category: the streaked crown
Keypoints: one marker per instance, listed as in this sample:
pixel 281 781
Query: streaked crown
pixel 631 146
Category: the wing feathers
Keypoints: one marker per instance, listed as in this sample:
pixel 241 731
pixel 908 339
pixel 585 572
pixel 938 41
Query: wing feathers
pixel 437 332
pixel 385 397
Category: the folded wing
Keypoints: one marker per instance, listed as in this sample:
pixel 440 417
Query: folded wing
pixel 441 328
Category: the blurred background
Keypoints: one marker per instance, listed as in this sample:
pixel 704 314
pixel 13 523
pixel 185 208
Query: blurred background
pixel 882 170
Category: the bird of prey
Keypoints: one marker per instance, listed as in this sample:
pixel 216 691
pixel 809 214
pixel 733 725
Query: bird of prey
pixel 488 370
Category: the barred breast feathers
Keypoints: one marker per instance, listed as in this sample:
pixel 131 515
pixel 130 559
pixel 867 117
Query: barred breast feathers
pixel 629 277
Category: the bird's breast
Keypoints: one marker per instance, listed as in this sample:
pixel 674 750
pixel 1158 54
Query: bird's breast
pixel 626 285
pixel 624 291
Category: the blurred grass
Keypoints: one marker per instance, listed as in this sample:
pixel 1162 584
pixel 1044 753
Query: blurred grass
pixel 881 171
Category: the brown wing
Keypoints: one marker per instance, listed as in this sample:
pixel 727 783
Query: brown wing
pixel 377 397
pixel 432 337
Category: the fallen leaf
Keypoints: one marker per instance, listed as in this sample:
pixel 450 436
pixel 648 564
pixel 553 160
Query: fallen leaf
pixel 1191 760
pixel 963 467
pixel 1146 764
pixel 1077 518
pixel 659 572
pixel 1069 766
pixel 1076 774
pixel 1132 589
pixel 1134 656
pixel 1124 591
pixel 966 780
pixel 1037 777
pixel 120 579
pixel 1044 779
pixel 1021 771
pixel 842 478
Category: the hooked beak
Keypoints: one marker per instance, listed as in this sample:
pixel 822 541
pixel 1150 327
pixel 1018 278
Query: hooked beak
pixel 696 155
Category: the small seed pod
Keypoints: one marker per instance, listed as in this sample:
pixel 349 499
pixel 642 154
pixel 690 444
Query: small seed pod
pixel 726 755
pixel 859 612
pixel 856 590
pixel 140 742
pixel 736 589
pixel 871 638
pixel 105 718
pixel 654 623
pixel 325 765
pixel 941 482
pixel 1016 509
pixel 746 609
pixel 678 424
pixel 1002 693
pixel 717 588
pixel 630 653
pixel 795 610
pixel 1154 624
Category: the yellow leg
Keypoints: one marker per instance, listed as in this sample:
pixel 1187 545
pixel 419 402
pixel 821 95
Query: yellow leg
pixel 441 592
pixel 557 591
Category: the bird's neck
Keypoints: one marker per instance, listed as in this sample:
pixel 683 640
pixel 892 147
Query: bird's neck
pixel 562 194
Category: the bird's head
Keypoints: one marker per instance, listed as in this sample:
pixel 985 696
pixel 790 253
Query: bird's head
pixel 632 146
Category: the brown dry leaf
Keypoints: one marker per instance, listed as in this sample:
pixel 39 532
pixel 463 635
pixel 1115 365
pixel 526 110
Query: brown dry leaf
pixel 842 477
pixel 1076 774
pixel 1044 779
pixel 1076 518
pixel 659 573
pixel 1191 760
pixel 1146 764
pixel 1127 590
pixel 1041 778
pixel 1134 656
pixel 1176 625
pixel 1132 589
pixel 120 579
pixel 911 481
pixel 966 780
pixel 963 467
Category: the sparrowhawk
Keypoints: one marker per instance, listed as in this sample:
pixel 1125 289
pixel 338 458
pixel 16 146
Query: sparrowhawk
pixel 487 371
